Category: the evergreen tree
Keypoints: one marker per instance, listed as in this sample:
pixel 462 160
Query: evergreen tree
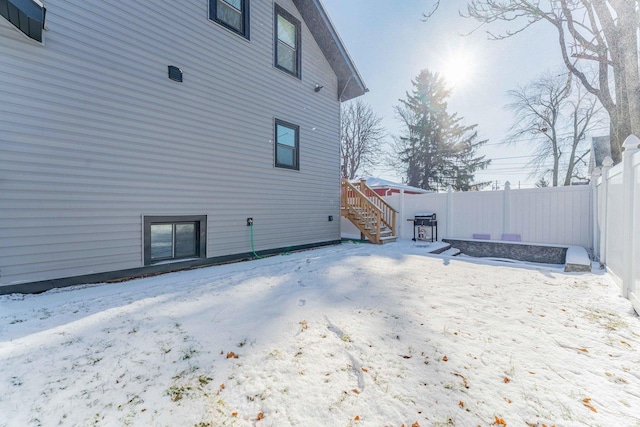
pixel 437 151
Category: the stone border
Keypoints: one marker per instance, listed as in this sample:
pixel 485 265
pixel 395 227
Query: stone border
pixel 574 258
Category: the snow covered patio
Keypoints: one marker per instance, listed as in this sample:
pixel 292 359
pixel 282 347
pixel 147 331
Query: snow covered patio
pixel 353 335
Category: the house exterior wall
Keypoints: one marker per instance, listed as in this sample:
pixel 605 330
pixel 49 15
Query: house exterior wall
pixel 93 136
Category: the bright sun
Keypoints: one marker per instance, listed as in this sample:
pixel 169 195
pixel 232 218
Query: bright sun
pixel 458 69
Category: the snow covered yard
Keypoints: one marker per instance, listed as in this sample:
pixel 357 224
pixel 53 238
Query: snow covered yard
pixel 354 335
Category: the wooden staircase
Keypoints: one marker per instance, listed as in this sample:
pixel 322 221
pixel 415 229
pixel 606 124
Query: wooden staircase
pixel 373 216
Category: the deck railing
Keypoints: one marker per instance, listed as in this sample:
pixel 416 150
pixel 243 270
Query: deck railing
pixel 368 211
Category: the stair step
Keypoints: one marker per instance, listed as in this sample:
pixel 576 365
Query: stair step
pixel 451 252
pixel 442 249
pixel 366 215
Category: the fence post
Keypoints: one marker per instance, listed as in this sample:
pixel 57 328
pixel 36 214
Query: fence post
pixel 506 206
pixel 607 163
pixel 595 231
pixel 630 146
pixel 400 224
pixel 449 215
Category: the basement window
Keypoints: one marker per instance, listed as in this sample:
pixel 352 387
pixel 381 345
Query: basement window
pixel 169 238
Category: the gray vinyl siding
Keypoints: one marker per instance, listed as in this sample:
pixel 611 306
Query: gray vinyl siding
pixel 93 135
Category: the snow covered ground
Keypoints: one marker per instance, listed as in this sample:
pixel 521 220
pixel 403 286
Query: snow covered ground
pixel 352 335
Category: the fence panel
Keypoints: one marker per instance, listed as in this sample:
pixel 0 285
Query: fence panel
pixel 477 212
pixel 408 205
pixel 615 230
pixel 557 215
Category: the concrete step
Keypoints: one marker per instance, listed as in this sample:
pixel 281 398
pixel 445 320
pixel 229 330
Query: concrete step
pixel 442 249
pixel 451 252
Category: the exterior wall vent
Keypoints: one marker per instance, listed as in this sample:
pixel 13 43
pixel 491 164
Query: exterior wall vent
pixel 26 15
pixel 175 73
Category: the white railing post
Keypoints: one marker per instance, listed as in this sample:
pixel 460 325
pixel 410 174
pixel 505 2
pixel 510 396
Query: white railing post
pixel 630 146
pixel 595 230
pixel 607 163
pixel 506 206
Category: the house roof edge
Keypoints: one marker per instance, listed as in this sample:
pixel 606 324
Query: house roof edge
pixel 350 82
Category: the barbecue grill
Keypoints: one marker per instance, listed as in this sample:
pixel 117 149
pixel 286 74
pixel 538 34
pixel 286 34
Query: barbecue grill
pixel 423 221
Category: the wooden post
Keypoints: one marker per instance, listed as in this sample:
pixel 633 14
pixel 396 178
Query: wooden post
pixel 630 146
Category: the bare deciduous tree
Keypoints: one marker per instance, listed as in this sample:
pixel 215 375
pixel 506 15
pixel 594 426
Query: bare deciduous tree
pixel 555 113
pixel 592 34
pixel 361 138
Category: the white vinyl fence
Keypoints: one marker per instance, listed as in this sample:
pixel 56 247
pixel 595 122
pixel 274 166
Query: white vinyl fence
pixel 603 216
pixel 616 228
pixel 557 215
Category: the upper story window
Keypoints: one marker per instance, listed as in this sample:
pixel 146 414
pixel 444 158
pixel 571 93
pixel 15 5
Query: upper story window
pixel 233 14
pixel 287 145
pixel 287 42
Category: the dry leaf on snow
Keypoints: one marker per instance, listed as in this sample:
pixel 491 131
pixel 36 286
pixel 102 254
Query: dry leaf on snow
pixel 498 421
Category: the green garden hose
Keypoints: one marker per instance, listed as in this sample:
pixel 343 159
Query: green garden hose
pixel 252 247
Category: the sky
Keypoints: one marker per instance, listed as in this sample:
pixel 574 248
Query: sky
pixel 390 45
pixel 352 335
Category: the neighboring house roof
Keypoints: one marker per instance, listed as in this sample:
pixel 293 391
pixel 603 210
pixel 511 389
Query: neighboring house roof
pixel 350 83
pixel 383 183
